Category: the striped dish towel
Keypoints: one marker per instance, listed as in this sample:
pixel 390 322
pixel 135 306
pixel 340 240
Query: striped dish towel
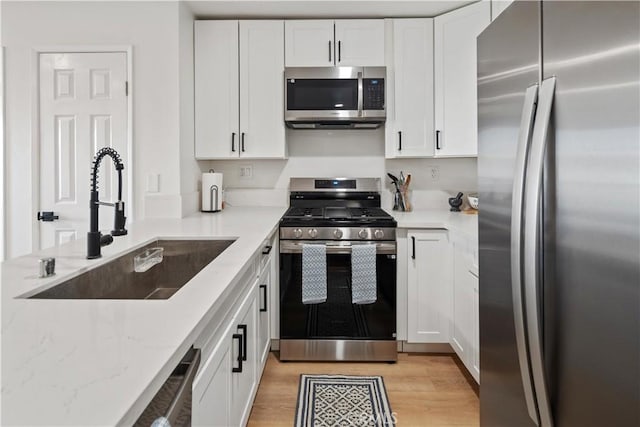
pixel 314 274
pixel 363 274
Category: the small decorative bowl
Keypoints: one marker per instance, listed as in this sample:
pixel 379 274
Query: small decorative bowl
pixel 473 200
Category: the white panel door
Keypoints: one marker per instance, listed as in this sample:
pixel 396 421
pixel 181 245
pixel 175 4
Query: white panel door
pixel 428 287
pixel 309 43
pixel 216 90
pixel 462 307
pixel 262 133
pixel 475 328
pixel 83 107
pixel 456 98
pixel 409 130
pixel 360 42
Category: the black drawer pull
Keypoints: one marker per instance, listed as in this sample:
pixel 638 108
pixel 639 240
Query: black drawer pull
pixel 243 328
pixel 399 140
pixel 239 359
pixel 267 250
pixel 242 142
pixel 438 146
pixel 233 142
pixel 264 298
pixel 413 245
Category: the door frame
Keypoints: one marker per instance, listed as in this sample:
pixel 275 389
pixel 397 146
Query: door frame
pixel 35 123
pixel 3 141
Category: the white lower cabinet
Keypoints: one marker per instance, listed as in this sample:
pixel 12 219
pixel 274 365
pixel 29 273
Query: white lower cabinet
pixel 428 286
pixel 235 346
pixel 464 322
pixel 263 329
pixel 442 292
pixel 226 383
pixel 211 404
pixel 475 328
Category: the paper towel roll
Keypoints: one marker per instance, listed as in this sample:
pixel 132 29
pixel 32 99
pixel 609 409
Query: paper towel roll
pixel 211 192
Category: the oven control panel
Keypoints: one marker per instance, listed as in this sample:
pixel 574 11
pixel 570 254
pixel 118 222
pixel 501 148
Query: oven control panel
pixel 337 233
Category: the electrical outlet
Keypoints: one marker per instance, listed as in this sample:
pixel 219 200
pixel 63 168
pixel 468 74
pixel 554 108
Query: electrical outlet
pixel 246 171
pixel 435 173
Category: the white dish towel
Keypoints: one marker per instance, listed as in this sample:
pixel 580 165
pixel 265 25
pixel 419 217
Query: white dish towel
pixel 363 274
pixel 314 274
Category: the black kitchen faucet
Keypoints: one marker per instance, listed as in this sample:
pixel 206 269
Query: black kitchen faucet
pixel 95 239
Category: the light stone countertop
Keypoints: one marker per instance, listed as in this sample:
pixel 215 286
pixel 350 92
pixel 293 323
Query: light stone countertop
pixel 96 362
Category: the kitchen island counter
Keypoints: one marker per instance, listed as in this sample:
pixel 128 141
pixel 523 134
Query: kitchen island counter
pixel 99 362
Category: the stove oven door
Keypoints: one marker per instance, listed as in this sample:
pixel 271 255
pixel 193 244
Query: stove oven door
pixel 337 318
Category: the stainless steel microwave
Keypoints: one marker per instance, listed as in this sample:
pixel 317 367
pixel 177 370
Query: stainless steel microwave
pixel 335 97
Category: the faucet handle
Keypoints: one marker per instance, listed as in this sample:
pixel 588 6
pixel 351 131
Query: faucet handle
pixel 120 220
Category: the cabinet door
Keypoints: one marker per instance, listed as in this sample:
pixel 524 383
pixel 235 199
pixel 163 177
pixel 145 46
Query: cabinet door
pixel 429 287
pixel 216 89
pixel 409 129
pixel 475 329
pixel 262 89
pixel 244 383
pixel 211 402
pixel 264 331
pixel 462 304
pixel 309 43
pixel 456 80
pixel 360 42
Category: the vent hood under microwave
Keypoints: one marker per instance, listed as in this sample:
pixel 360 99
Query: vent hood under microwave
pixel 335 97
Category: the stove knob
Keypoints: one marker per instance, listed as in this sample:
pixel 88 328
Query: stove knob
pixel 313 233
pixel 362 234
pixel 337 233
pixel 297 233
pixel 378 234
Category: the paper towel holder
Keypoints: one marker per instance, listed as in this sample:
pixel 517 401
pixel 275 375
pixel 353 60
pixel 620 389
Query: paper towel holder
pixel 214 197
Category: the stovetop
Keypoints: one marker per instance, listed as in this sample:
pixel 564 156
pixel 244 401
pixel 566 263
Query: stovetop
pixel 337 215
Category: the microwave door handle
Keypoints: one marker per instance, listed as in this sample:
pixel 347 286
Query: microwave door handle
pixel 360 96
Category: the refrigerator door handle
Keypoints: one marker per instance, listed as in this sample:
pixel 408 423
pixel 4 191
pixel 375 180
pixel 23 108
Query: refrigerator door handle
pixel 524 138
pixel 532 247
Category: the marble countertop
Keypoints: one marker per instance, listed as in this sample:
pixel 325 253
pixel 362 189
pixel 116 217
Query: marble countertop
pixel 454 221
pixel 96 362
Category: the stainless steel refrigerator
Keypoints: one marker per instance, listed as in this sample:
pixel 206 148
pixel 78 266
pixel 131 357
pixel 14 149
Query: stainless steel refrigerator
pixel 559 221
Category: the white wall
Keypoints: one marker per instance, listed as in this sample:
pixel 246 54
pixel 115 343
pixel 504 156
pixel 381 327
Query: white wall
pixel 356 153
pixel 190 168
pixel 152 29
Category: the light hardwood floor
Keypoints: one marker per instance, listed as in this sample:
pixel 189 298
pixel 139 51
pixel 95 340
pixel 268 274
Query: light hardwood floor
pixel 424 390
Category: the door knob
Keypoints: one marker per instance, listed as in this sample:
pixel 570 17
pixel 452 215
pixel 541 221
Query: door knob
pixel 47 216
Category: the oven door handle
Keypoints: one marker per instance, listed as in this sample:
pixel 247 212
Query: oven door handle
pixel 295 247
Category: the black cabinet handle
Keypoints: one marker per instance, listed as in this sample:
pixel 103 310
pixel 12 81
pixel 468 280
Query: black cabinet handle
pixel 339 50
pixel 399 140
pixel 239 359
pixel 233 142
pixel 329 50
pixel 267 250
pixel 264 298
pixel 242 142
pixel 438 140
pixel 413 246
pixel 243 328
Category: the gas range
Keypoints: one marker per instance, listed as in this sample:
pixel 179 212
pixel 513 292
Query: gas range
pixel 336 209
pixel 340 214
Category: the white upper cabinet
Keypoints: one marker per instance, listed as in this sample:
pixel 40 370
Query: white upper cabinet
pixel 455 79
pixel 239 104
pixel 325 43
pixel 262 133
pixel 409 126
pixel 309 43
pixel 216 89
pixel 359 42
